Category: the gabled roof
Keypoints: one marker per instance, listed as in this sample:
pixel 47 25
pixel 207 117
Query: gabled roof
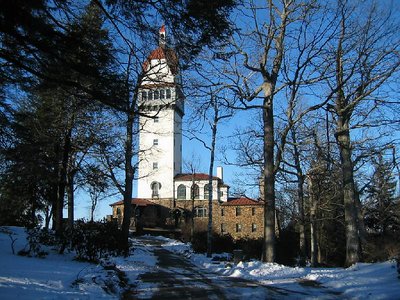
pixel 243 200
pixel 195 176
pixel 135 201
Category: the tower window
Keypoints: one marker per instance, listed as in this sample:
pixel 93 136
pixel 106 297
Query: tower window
pixel 155 165
pixel 238 227
pixel 222 212
pixel 181 192
pixel 195 191
pixel 155 142
pixel 253 227
pixel 253 211
pixel 144 95
pixel 156 94
pixel 155 188
pixel 162 94
pixel 168 93
pixel 150 95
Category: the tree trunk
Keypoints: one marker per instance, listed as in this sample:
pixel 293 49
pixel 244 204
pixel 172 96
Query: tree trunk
pixel 192 212
pixel 48 216
pixel 62 182
pixel 210 188
pixel 300 200
pixel 128 180
pixel 70 197
pixel 268 254
pixel 313 224
pixel 349 197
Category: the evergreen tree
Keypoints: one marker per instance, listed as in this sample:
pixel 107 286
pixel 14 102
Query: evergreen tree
pixel 55 123
pixel 381 216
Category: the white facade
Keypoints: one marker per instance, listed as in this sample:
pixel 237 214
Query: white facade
pixel 219 191
pixel 160 137
pixel 160 133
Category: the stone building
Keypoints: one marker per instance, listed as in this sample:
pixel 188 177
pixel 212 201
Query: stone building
pixel 167 198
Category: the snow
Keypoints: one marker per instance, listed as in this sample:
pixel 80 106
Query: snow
pixel 60 277
pixel 360 281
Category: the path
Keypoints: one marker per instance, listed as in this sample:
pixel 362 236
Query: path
pixel 175 277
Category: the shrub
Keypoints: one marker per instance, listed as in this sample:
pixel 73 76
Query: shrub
pixel 199 242
pixel 93 241
pixel 380 247
pixel 37 237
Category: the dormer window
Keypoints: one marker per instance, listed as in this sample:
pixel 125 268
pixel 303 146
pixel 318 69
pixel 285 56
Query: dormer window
pixel 162 94
pixel 144 95
pixel 150 95
pixel 156 94
pixel 168 93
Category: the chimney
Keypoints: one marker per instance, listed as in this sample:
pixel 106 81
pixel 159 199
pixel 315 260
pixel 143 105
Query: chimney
pixel 220 173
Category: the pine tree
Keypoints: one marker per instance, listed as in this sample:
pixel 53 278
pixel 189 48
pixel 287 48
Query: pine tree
pixel 381 216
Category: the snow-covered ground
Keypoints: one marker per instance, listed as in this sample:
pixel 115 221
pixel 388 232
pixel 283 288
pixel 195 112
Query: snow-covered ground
pixel 360 281
pixel 60 277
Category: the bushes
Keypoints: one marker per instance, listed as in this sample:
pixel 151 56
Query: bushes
pixel 225 243
pixel 220 243
pixel 95 240
pixel 91 241
pixel 287 246
pixel 380 247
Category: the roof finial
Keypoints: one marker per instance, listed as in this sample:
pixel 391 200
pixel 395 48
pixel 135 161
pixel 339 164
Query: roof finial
pixel 162 39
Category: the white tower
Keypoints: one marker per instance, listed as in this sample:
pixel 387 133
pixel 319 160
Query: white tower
pixel 160 136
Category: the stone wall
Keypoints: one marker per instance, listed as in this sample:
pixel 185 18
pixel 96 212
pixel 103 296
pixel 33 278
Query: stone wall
pixel 240 221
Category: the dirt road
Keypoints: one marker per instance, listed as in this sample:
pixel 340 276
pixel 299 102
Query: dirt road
pixel 175 277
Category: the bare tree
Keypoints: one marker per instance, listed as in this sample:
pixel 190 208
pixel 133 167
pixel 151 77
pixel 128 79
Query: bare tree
pixel 288 36
pixel 364 56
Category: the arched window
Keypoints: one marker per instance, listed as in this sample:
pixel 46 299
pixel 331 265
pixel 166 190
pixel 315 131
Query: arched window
pixel 181 192
pixel 195 191
pixel 206 191
pixel 155 188
pixel 150 95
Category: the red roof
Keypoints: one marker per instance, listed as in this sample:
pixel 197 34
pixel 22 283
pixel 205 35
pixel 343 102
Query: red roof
pixel 135 201
pixel 242 201
pixel 164 53
pixel 189 177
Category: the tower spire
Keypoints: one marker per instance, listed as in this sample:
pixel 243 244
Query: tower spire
pixel 162 37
